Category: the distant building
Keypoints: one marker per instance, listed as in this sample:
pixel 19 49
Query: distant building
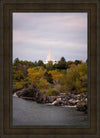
pixel 50 57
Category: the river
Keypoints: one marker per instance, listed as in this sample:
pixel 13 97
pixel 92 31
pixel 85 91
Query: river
pixel 30 113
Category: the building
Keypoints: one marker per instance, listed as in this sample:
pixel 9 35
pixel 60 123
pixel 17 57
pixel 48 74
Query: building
pixel 50 57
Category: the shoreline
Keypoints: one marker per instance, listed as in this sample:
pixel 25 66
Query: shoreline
pixel 48 104
pixel 79 101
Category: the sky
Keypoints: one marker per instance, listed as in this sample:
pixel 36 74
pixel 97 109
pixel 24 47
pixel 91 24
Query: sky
pixel 34 33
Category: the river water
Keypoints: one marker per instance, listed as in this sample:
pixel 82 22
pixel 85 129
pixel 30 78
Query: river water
pixel 30 113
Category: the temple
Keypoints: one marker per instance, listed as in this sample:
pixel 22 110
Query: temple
pixel 50 57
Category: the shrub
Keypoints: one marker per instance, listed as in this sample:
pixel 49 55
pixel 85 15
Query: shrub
pixel 83 90
pixel 52 92
pixel 63 89
pixel 18 86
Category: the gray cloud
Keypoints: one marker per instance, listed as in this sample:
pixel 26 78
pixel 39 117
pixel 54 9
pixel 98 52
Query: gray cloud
pixel 65 32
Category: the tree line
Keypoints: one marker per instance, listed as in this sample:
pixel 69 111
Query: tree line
pixel 51 79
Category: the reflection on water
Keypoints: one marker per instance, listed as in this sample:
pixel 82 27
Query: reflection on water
pixel 29 113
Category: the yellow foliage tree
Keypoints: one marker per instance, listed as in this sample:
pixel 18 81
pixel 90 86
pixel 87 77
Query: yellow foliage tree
pixel 76 77
pixel 56 75
pixel 42 83
pixel 35 74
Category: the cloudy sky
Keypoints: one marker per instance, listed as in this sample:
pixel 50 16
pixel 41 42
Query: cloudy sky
pixel 33 33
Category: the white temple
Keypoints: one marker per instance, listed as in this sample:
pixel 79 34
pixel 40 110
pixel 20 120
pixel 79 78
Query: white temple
pixel 49 57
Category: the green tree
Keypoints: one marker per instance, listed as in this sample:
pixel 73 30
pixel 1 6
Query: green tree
pixel 48 77
pixel 62 63
pixel 16 61
pixel 49 65
pixel 40 63
pixel 77 62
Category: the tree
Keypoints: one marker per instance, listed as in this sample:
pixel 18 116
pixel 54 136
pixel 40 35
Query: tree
pixel 48 77
pixel 35 74
pixel 35 63
pixel 49 65
pixel 69 63
pixel 62 63
pixel 40 63
pixel 42 83
pixel 76 77
pixel 63 59
pixel 87 61
pixel 16 61
pixel 56 75
pixel 78 62
pixel 55 66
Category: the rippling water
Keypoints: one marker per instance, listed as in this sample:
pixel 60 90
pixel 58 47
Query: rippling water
pixel 29 113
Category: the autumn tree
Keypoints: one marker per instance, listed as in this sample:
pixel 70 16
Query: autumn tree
pixel 76 77
pixel 69 63
pixel 56 75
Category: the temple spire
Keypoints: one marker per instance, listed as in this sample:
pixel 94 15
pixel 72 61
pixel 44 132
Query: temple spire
pixel 49 57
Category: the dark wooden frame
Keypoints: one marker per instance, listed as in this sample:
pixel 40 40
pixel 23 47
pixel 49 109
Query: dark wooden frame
pixel 92 7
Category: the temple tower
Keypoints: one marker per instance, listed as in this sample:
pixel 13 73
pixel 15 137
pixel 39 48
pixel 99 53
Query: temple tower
pixel 49 57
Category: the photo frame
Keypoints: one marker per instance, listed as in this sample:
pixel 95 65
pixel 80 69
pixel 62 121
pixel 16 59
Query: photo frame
pixel 92 8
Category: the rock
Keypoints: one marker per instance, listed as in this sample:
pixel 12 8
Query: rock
pixel 52 98
pixel 58 101
pixel 73 102
pixel 25 93
pixel 41 98
pixel 82 106
pixel 80 100
pixel 36 95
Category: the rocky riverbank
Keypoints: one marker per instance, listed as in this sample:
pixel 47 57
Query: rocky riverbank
pixel 69 98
